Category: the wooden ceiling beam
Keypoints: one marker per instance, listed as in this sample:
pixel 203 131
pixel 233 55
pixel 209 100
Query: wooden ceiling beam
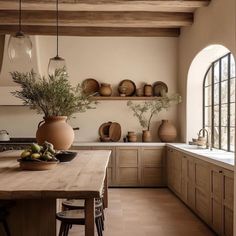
pixel 99 19
pixel 107 5
pixel 92 31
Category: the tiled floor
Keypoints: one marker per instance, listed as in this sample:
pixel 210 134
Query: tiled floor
pixel 148 212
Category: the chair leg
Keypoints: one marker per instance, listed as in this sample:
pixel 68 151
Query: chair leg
pixel 6 228
pixel 62 229
pixel 99 227
pixel 67 229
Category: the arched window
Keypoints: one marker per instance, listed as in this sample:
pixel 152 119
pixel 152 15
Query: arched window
pixel 219 102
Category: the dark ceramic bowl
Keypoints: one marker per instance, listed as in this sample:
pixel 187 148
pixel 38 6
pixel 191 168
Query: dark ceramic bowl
pixel 66 156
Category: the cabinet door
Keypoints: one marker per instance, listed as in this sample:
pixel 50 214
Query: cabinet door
pixel 128 171
pixel 216 199
pixel 191 182
pixel 228 202
pixel 174 170
pixel 202 191
pixel 152 168
pixel 111 171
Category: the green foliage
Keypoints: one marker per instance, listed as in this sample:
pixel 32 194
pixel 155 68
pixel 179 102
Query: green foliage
pixel 146 110
pixel 52 96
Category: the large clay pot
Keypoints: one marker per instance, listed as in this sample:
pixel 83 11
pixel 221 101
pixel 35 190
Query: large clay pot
pixel 146 137
pixel 55 130
pixel 167 131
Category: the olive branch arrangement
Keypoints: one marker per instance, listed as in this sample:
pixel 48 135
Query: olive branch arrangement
pixel 52 96
pixel 146 110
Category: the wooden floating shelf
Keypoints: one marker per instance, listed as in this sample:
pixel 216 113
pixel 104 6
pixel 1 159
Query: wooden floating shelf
pixel 112 98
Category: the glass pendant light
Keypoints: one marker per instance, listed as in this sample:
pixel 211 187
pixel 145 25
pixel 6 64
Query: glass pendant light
pixel 56 62
pixel 19 44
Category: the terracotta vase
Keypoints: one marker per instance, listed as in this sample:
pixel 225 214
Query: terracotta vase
pixel 57 131
pixel 147 137
pixel 105 90
pixel 167 131
pixel 147 90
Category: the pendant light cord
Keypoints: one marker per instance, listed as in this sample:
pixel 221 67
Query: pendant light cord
pixel 20 16
pixel 57 26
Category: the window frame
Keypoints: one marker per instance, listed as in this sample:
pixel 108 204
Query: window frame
pixel 212 84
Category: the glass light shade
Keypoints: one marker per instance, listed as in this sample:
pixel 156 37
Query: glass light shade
pixel 56 63
pixel 19 46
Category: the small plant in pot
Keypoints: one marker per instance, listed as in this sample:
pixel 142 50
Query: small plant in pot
pixel 145 111
pixel 57 99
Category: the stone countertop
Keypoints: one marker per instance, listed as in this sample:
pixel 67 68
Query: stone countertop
pixel 218 157
pixel 118 144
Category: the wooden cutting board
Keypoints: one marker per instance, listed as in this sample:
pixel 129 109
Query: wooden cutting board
pixel 104 130
pixel 115 132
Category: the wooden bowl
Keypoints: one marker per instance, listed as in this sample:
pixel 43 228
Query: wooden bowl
pixel 37 165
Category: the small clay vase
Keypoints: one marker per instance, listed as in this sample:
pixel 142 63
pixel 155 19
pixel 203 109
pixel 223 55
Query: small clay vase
pixel 167 131
pixel 147 90
pixel 105 90
pixel 132 137
pixel 146 137
pixel 139 92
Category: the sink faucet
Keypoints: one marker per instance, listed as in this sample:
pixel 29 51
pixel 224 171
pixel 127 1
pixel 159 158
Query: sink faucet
pixel 207 137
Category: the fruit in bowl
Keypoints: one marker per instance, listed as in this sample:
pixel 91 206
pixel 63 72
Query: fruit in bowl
pixel 38 157
pixel 36 152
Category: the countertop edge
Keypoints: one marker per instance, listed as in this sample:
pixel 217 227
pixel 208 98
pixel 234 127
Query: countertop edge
pixel 203 157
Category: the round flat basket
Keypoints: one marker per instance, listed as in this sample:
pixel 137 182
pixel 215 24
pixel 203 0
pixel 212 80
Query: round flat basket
pixel 159 89
pixel 130 87
pixel 37 165
pixel 90 86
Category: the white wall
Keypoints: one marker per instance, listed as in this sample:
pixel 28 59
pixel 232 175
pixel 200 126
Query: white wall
pixel 107 60
pixel 215 24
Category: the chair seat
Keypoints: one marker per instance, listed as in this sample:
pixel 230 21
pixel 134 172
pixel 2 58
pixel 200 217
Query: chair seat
pixel 75 216
pixel 73 204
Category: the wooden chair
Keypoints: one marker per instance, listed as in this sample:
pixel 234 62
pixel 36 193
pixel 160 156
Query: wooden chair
pixel 77 204
pixel 69 218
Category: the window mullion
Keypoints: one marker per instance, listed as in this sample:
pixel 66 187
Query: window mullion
pixel 212 107
pixel 228 105
pixel 220 68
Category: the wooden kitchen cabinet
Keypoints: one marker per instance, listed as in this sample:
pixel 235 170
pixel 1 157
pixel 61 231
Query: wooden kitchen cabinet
pixel 206 188
pixel 128 166
pixel 174 163
pixel 202 190
pixel 152 166
pixel 222 187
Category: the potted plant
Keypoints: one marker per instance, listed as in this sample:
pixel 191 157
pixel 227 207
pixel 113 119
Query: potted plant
pixel 146 110
pixel 57 99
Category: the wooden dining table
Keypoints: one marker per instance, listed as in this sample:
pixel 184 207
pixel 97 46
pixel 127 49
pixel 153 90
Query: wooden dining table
pixel 34 195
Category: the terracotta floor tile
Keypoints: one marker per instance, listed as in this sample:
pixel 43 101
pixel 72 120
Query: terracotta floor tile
pixel 148 212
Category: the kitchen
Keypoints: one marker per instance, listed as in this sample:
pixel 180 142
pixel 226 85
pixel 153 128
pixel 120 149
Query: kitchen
pixel 177 58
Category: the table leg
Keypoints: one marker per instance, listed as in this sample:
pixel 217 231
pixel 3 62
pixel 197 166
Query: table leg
pixel 105 192
pixel 89 217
